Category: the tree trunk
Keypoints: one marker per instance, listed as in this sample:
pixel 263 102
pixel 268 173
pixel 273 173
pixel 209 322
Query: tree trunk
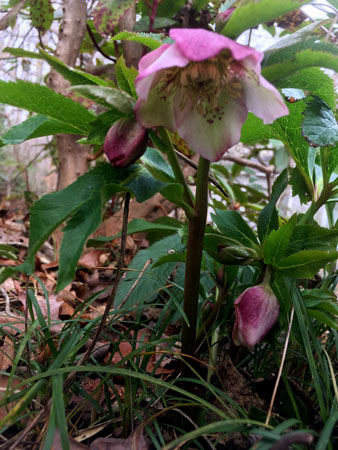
pixel 72 156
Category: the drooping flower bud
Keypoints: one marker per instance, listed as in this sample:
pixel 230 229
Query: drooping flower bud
pixel 236 255
pixel 125 142
pixel 257 310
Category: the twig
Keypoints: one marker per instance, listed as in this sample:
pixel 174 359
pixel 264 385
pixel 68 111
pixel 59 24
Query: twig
pixel 7 304
pixel 248 163
pixel 96 45
pixel 149 261
pixel 280 369
pixel 293 438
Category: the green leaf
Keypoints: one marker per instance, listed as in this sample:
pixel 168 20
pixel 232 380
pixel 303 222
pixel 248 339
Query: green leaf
pixel 166 8
pixel 157 165
pixel 227 251
pixel 150 40
pixel 298 184
pixel 268 217
pixel 324 318
pixel 277 242
pixel 144 185
pixel 312 237
pixel 306 263
pixel 175 256
pixel 332 161
pixel 293 95
pixel 74 76
pixel 250 14
pixel 99 127
pixel 286 61
pixel 126 77
pixel 159 22
pixel 36 126
pixel 45 101
pixel 150 281
pixel 233 226
pixel 42 14
pixel 107 14
pixel 174 192
pixel 108 97
pixel 319 127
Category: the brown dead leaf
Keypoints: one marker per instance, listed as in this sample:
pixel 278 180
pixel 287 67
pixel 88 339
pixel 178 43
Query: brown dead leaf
pixel 15 324
pixel 135 441
pixel 54 308
pixel 4 410
pixel 91 259
pixel 6 354
pixel 73 444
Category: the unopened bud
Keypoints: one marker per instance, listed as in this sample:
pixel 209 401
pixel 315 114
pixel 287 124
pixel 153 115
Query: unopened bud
pixel 257 310
pixel 125 142
pixel 236 255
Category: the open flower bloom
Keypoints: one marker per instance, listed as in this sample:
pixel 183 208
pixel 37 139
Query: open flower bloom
pixel 257 310
pixel 203 86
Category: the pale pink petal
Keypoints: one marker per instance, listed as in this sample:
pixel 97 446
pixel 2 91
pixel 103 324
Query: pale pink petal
pixel 211 139
pixel 198 45
pixel 153 110
pixel 160 59
pixel 261 97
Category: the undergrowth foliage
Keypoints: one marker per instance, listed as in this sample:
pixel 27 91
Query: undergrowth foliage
pixel 219 328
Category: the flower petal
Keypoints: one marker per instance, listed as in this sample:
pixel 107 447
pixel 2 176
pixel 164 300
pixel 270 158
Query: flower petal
pixel 210 136
pixel 261 97
pixel 151 109
pixel 168 55
pixel 197 44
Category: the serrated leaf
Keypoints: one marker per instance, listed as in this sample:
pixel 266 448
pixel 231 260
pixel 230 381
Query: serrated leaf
pixel 144 185
pixel 268 217
pixel 319 127
pixel 175 256
pixel 150 40
pixel 250 14
pixel 277 242
pixel 157 165
pixel 286 61
pixel 100 126
pixel 293 95
pixel 41 13
pixel 107 14
pixel 299 186
pixel 312 237
pixel 108 96
pixel 233 226
pixel 74 76
pixel 126 77
pixel 45 101
pixel 33 127
pixel 306 263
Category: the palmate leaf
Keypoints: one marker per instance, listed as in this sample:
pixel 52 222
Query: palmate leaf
pixel 150 40
pixel 44 101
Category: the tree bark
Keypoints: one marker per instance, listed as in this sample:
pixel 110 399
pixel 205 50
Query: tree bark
pixel 72 156
pixel 132 51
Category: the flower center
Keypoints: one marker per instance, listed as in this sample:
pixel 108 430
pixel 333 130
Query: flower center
pixel 202 82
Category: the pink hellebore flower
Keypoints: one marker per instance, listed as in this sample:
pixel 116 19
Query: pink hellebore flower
pixel 257 310
pixel 203 86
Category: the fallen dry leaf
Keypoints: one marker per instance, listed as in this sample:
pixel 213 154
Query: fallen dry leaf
pixel 6 354
pixel 4 410
pixel 54 309
pixel 16 324
pixel 135 441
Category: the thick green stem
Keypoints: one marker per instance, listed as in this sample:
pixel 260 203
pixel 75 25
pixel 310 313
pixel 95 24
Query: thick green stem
pixel 194 258
pixel 175 165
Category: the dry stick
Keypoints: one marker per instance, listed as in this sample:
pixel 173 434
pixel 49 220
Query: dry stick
pixel 280 368
pixel 149 261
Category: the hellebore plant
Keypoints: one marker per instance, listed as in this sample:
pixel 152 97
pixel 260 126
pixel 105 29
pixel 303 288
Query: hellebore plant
pixel 257 310
pixel 202 86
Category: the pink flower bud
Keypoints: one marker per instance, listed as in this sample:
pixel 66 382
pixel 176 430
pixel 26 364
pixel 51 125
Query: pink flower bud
pixel 125 142
pixel 257 310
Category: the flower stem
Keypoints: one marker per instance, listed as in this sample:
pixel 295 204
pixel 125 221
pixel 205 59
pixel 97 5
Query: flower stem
pixel 175 165
pixel 194 258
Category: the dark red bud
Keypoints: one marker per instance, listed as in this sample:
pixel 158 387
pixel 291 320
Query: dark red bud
pixel 125 142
